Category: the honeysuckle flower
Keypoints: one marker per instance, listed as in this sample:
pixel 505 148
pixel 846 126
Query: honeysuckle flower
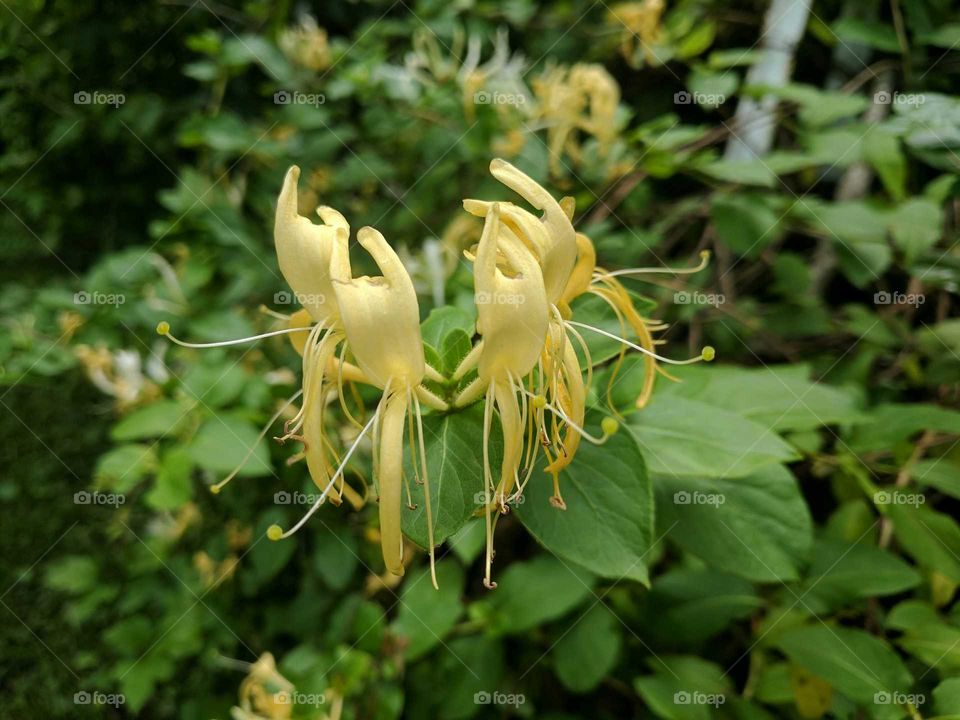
pixel 377 321
pixel 264 692
pixel 512 321
pixel 583 98
pixel 640 29
pixel 306 44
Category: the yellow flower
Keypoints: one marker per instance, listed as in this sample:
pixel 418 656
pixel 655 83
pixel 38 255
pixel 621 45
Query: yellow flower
pixel 264 693
pixel 512 320
pixel 583 98
pixel 381 321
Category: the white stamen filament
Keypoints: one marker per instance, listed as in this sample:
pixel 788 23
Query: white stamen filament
pixel 563 416
pixel 164 329
pixel 263 433
pixel 333 480
pixel 706 354
pixel 704 260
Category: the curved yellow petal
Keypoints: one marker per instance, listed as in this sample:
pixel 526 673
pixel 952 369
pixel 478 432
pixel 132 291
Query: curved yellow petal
pixel 582 275
pixel 390 479
pixel 558 252
pixel 304 250
pixel 380 315
pixel 512 312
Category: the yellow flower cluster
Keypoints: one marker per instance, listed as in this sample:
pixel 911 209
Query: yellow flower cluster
pixel 529 266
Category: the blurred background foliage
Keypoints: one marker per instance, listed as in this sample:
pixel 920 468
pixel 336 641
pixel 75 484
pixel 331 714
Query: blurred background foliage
pixel 821 581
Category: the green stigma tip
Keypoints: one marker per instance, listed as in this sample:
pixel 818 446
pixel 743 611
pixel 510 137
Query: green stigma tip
pixel 163 327
pixel 609 426
pixel 539 401
pixel 274 532
pixel 708 353
pixel 215 489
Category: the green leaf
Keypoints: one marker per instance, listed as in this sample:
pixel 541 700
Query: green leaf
pixel 608 523
pixel 173 485
pixel 757 527
pixel 945 36
pixel 942 474
pixel 444 320
pixel 683 687
pixel 73 574
pixel 681 437
pixel 687 607
pixel 534 592
pixel 750 172
pixel 427 615
pixel 946 697
pixel 937 645
pixel 854 662
pixel 161 418
pixel 223 441
pixel 885 153
pixel 123 467
pixel 588 650
pixel 892 423
pixel 931 538
pixel 746 222
pixel 454 446
pixel 841 572
pixel 880 36
pixel 780 397
pixel 916 226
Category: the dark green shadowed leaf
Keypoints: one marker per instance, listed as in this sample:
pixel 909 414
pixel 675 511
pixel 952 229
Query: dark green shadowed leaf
pixel 454 446
pixel 608 523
